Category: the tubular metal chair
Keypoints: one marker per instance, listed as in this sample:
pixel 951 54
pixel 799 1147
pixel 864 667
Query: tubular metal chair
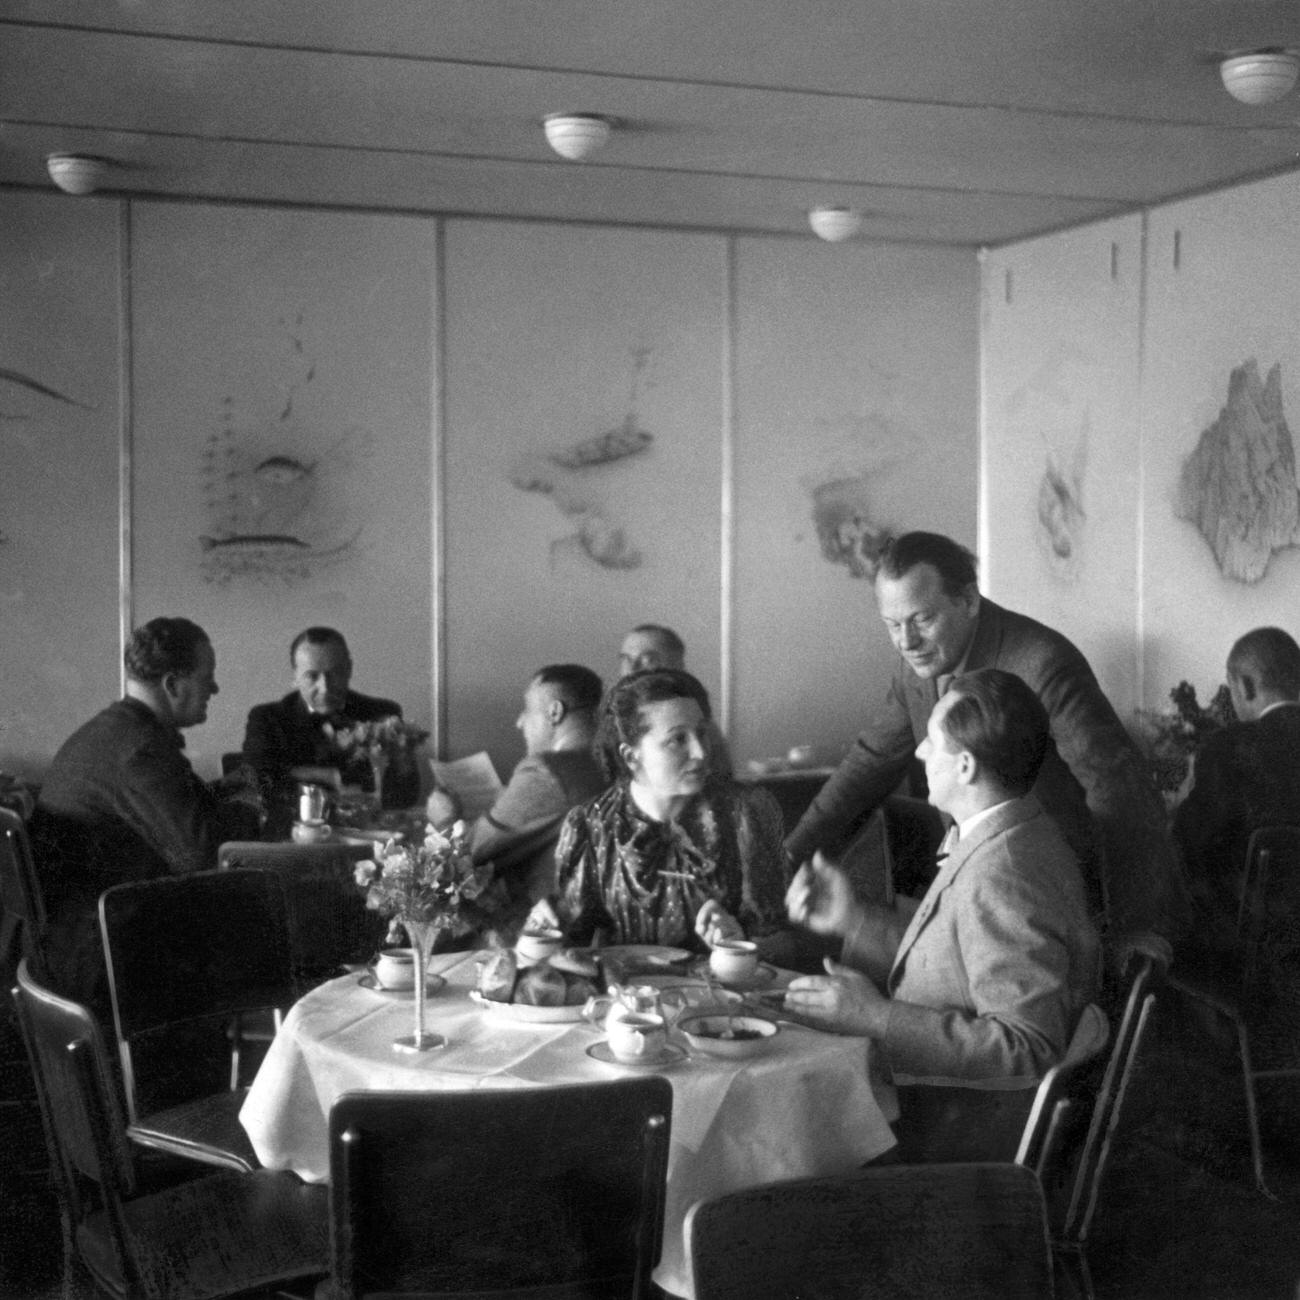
pixel 219 1235
pixel 1268 929
pixel 893 1232
pixel 1068 1137
pixel 22 907
pixel 555 1193
pixel 187 956
pixel 329 924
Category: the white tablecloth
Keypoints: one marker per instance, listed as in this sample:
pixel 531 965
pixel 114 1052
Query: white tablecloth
pixel 804 1106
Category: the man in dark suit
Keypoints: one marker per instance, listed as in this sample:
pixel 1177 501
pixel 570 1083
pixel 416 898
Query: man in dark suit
pixel 1245 776
pixel 1092 782
pixel 295 738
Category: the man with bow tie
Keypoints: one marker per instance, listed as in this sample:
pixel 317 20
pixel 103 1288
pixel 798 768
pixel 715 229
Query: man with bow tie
pixel 295 738
pixel 981 984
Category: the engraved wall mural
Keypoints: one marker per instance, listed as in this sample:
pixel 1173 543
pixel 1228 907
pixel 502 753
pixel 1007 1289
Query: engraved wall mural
pixel 842 512
pixel 1238 487
pixel 274 486
pixel 576 477
pixel 1061 515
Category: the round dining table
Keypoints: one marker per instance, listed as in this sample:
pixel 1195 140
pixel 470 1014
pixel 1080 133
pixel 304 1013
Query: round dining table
pixel 806 1104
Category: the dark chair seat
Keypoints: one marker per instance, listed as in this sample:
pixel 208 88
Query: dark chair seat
pixel 195 1129
pixel 219 1235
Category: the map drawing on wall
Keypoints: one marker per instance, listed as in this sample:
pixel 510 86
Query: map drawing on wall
pixel 17 379
pixel 1061 516
pixel 1238 487
pixel 576 477
pixel 276 499
pixel 842 515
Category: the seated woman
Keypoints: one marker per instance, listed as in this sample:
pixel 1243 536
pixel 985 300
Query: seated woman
pixel 666 855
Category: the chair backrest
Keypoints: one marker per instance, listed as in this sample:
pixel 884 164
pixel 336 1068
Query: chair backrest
pixel 84 1127
pixel 20 891
pixel 496 1189
pixel 961 1231
pixel 329 923
pixel 1144 976
pixel 1269 919
pixel 184 949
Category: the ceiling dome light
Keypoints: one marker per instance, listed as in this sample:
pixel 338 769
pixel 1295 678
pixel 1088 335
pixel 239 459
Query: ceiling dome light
pixel 835 224
pixel 76 173
pixel 1260 77
pixel 576 136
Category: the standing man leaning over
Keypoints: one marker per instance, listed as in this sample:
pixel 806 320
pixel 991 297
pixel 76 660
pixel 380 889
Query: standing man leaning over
pixel 1092 780
pixel 292 739
pixel 121 802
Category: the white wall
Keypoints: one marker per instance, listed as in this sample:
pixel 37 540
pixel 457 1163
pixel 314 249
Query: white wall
pixel 392 400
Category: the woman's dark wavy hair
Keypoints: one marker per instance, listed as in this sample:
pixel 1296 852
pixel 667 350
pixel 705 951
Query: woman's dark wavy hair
pixel 1002 723
pixel 622 721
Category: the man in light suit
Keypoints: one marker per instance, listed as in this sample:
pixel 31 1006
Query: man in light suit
pixel 1093 781
pixel 985 978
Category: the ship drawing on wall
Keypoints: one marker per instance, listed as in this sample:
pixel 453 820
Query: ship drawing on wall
pixel 575 477
pixel 1238 487
pixel 275 500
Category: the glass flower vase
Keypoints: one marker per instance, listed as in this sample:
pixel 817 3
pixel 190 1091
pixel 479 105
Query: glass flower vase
pixel 378 766
pixel 421 934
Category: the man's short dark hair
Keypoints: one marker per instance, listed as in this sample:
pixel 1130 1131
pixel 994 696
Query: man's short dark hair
pixel 1002 723
pixel 319 636
pixel 672 642
pixel 1270 659
pixel 576 687
pixel 954 563
pixel 162 646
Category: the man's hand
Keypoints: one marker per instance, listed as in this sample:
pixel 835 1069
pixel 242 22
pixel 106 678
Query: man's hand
pixel 820 898
pixel 542 917
pixel 714 922
pixel 442 808
pixel 843 999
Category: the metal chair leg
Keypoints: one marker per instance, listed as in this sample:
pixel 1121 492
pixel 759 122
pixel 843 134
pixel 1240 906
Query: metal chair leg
pixel 1252 1110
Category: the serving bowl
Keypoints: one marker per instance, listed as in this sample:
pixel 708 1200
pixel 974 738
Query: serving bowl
pixel 724 1035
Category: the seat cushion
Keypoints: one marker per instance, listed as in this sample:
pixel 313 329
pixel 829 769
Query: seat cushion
pixel 206 1129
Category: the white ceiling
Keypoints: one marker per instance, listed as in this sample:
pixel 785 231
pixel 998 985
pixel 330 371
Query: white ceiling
pixel 964 122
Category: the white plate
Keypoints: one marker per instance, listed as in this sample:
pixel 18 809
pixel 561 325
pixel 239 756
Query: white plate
pixel 652 954
pixel 670 1056
pixel 524 1013
pixel 432 983
pixel 760 979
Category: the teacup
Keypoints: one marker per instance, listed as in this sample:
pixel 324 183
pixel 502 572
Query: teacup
pixel 537 945
pixel 395 968
pixel 637 1036
pixel 734 960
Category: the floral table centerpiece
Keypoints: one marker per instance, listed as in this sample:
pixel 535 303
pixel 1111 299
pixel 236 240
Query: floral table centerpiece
pixel 1170 739
pixel 383 742
pixel 427 889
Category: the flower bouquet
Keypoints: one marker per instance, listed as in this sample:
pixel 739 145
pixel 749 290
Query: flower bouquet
pixel 1170 739
pixel 427 889
pixel 382 743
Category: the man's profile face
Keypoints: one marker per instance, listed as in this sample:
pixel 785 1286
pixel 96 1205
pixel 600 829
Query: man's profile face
pixel 192 691
pixel 941 756
pixel 534 721
pixel 642 650
pixel 929 628
pixel 322 673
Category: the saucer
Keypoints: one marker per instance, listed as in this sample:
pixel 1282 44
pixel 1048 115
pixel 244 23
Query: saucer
pixel 760 979
pixel 432 983
pixel 670 1056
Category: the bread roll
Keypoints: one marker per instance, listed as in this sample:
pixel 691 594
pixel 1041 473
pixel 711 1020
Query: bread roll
pixel 541 986
pixel 496 976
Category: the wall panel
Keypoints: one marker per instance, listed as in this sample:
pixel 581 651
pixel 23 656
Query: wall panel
pixel 1059 344
pixel 59 486
pixel 855 416
pixel 584 398
pixel 282 443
